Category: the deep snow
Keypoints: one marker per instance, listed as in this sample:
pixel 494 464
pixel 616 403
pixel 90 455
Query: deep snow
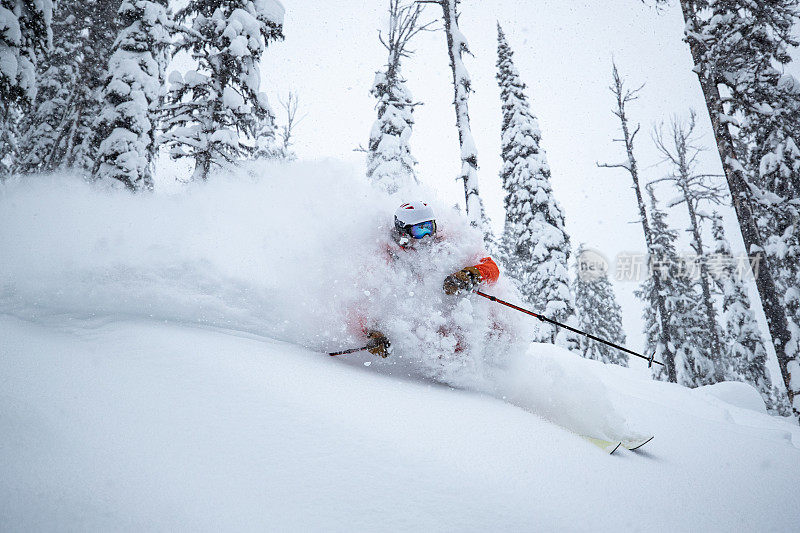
pixel 130 424
pixel 162 366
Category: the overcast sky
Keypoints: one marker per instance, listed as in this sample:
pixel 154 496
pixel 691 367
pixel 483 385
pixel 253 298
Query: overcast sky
pixel 563 51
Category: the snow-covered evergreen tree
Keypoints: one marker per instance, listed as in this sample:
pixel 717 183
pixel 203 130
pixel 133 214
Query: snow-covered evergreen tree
pixel 59 133
pixel 98 20
pixel 745 357
pixel 25 34
pixel 773 160
pixel 9 143
pixel 390 164
pixel 743 46
pixel 597 310
pixel 765 102
pixel 267 144
pixel 46 127
pixel 535 244
pixel 682 303
pixel 214 110
pixel 132 95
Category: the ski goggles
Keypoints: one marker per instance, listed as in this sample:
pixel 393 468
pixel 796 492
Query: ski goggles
pixel 418 231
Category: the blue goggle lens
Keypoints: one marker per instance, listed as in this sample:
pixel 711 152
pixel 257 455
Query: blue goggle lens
pixel 418 231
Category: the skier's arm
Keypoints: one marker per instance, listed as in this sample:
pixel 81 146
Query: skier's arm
pixel 358 324
pixel 378 344
pixel 468 278
pixel 488 270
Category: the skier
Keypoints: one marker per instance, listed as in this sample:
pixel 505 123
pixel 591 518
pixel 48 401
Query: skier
pixel 415 227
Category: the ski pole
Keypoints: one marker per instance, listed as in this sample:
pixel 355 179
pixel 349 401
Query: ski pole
pixel 650 360
pixel 351 350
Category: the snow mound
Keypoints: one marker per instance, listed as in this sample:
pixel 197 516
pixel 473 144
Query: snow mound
pixel 566 389
pixel 736 393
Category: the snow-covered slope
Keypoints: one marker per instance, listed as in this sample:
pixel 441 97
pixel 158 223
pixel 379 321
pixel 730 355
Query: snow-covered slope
pixel 162 367
pixel 113 424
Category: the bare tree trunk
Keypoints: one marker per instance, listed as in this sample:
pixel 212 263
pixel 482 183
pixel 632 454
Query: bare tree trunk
pixel 623 97
pixel 737 183
pixel 290 106
pixel 694 191
pixel 711 312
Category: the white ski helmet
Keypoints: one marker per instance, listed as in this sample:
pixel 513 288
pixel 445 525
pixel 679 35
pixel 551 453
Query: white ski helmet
pixel 412 213
pixel 407 217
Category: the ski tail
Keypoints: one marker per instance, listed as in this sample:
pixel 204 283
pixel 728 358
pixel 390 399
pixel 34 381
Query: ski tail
pixel 606 445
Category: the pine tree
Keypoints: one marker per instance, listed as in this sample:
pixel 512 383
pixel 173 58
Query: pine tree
pixel 745 357
pixel 25 34
pixel 742 46
pixel 535 244
pixel 695 191
pixel 668 285
pixel 657 317
pixel 59 132
pixel 132 95
pixel 214 110
pixel 9 144
pixel 765 100
pixel 46 127
pixel 597 310
pixel 390 164
pixel 267 145
pixel 772 158
pixel 99 23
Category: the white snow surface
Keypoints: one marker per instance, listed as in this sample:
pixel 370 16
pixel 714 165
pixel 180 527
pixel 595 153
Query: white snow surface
pixel 736 393
pixel 163 367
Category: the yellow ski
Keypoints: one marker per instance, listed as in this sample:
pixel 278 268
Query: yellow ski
pixel 605 445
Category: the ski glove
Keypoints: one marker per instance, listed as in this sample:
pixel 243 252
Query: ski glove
pixel 378 344
pixel 462 281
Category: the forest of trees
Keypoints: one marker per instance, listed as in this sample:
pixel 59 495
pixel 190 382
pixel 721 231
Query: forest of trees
pixel 95 99
pixel 85 87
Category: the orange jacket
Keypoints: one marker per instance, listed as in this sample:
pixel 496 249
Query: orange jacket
pixel 488 269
